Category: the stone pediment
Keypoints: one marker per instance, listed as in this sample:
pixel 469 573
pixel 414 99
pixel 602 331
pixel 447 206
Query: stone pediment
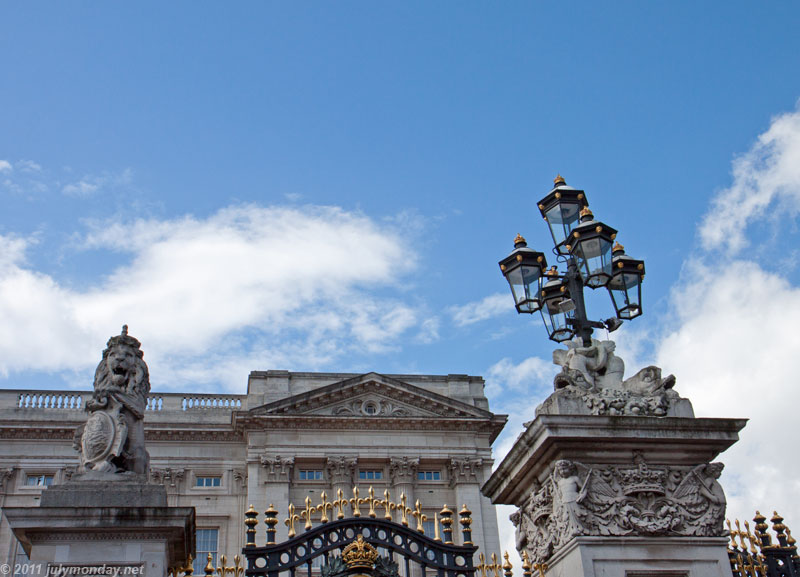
pixel 372 396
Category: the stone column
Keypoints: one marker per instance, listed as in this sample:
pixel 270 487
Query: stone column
pixel 277 476
pixel 239 489
pixel 341 474
pixel 465 481
pixel 403 475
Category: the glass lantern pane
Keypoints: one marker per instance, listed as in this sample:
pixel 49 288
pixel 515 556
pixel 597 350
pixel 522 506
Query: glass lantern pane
pixel 561 219
pixel 593 255
pixel 555 320
pixel 626 294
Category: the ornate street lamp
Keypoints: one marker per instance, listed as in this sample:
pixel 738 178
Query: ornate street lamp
pixel 584 246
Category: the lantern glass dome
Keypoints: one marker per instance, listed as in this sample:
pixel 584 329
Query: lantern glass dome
pixel 523 270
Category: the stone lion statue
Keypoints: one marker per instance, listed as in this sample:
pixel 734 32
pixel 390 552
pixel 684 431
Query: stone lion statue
pixel 112 440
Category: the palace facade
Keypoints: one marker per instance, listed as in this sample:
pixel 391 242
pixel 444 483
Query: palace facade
pixel 293 435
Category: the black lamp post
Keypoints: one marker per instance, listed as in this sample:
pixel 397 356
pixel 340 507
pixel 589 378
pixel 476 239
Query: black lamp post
pixel 584 246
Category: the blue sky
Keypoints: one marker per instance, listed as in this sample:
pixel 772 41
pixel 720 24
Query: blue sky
pixel 330 186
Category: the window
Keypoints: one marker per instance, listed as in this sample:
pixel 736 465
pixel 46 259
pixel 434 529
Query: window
pixel 370 475
pixel 429 476
pixel 205 543
pixel 310 475
pixel 39 480
pixel 209 481
pixel 428 527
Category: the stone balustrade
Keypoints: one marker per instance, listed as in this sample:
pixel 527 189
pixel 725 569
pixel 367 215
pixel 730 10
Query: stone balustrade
pixel 32 400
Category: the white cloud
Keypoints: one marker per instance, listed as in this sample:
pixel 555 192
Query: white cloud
pixel 29 166
pixel 735 333
pixel 486 308
pixel 255 286
pixel 5 166
pixel 91 183
pixel 766 177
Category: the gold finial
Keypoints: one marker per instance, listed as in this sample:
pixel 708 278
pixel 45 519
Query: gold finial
pixel 209 568
pixel 466 522
pixel 436 535
pixel 387 504
pixel 507 567
pixel 420 517
pixel 404 510
pixel 307 513
pixel 340 504
pixel 618 248
pixel 355 502
pixel 526 564
pixel 586 211
pixel 541 568
pixel 482 566
pixel 270 520
pixel 791 541
pixel 447 524
pixel 371 501
pixel 237 570
pixel 291 520
pixel 324 507
pixel 553 271
pixel 559 180
pixel 250 521
pixel 495 565
pixel 359 554
pixel 518 239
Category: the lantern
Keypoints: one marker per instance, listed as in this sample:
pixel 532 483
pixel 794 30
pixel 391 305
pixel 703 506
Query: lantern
pixel 523 270
pixel 625 286
pixel 561 209
pixel 557 307
pixel 590 244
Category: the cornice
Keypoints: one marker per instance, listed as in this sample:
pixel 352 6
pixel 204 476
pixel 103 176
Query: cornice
pixel 251 422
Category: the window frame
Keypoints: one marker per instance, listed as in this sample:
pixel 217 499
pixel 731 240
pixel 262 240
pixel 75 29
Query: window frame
pixel 315 479
pixel 436 476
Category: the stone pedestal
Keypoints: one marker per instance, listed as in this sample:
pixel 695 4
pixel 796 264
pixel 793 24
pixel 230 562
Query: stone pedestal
pixel 101 525
pixel 618 495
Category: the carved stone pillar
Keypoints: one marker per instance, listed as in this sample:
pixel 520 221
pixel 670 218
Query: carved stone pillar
pixel 403 475
pixel 276 474
pixel 465 476
pixel 341 473
pixel 601 495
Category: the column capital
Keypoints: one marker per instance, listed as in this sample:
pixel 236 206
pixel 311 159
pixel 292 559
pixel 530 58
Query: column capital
pixel 341 470
pixel 403 470
pixel 279 469
pixel 464 470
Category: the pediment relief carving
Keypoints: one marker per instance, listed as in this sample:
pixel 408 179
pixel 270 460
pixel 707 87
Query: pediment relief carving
pixel 372 398
pixel 372 406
